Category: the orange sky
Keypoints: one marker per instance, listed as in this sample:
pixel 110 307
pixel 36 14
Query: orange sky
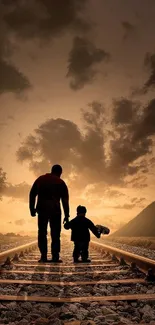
pixel 124 33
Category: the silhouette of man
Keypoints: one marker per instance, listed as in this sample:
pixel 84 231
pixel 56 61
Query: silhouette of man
pixel 50 189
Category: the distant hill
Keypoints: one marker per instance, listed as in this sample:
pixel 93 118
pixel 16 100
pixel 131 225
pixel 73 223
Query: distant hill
pixel 143 225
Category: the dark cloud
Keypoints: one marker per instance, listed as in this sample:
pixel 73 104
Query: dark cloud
pixel 44 19
pixel 59 140
pixel 95 118
pixel 149 62
pixel 82 60
pixel 128 28
pixel 55 140
pixel 20 222
pixel 146 127
pixel 39 19
pixel 25 152
pixel 132 137
pixel 11 79
pixel 84 154
pixel 125 111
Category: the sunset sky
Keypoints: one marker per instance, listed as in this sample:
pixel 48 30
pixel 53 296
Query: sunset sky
pixel 77 81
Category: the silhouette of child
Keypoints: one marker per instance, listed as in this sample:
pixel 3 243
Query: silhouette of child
pixel 80 235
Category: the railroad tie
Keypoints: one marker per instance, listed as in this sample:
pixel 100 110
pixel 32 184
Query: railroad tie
pixel 112 276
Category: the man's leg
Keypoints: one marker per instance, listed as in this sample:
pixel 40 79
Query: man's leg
pixel 55 225
pixel 42 235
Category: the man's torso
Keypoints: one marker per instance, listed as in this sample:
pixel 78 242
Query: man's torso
pixel 49 194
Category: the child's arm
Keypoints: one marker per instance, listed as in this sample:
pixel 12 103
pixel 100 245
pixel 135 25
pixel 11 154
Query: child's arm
pixel 94 229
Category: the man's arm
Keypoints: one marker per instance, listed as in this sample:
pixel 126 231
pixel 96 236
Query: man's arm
pixel 68 225
pixel 32 197
pixel 65 201
pixel 94 229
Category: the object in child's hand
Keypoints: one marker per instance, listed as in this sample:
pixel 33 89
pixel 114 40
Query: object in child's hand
pixel 103 230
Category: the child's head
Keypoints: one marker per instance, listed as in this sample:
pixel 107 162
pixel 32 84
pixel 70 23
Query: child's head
pixel 81 210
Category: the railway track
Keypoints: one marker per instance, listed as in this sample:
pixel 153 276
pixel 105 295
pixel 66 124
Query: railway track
pixel 115 288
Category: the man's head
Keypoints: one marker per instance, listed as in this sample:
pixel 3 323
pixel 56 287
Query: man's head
pixel 56 170
pixel 81 210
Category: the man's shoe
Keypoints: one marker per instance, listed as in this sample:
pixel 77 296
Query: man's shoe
pixel 56 260
pixel 76 261
pixel 86 261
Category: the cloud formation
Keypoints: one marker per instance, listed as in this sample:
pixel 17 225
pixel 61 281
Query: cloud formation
pixel 128 28
pixel 124 111
pixel 11 79
pixel 93 161
pixel 138 182
pixel 18 191
pixel 2 182
pixel 146 126
pixel 37 19
pixel 149 62
pixel 133 127
pixel 20 222
pixel 44 19
pixel 82 60
pixel 135 202
pixel 84 155
pixel 59 140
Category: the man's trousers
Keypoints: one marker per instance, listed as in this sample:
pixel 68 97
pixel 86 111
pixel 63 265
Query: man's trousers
pixel 55 230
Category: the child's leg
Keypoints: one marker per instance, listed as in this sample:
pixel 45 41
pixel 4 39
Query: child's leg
pixel 85 252
pixel 76 251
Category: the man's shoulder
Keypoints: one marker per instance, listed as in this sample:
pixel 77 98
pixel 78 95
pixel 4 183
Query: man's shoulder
pixel 39 178
pixel 42 177
pixel 52 178
pixel 62 181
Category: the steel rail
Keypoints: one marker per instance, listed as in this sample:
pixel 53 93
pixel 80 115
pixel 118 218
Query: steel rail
pixel 141 262
pixel 15 250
